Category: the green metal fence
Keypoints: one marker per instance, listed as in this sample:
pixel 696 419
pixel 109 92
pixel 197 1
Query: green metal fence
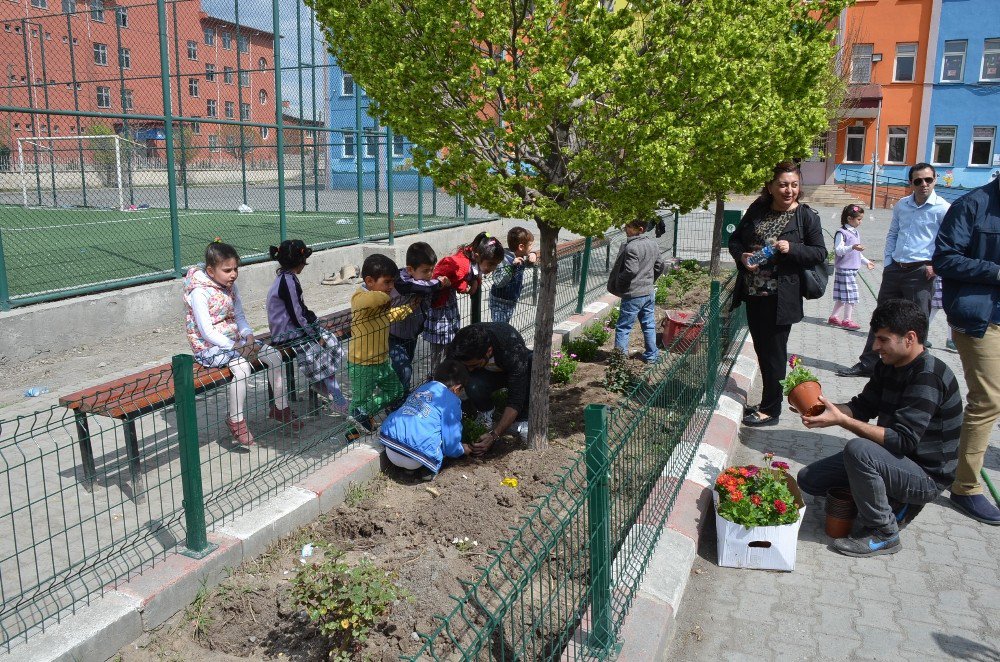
pixel 561 586
pixel 133 133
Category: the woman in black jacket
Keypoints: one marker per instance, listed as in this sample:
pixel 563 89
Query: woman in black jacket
pixel 772 291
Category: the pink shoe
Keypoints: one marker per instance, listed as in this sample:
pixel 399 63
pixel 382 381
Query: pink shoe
pixel 835 321
pixel 240 431
pixel 850 324
pixel 286 416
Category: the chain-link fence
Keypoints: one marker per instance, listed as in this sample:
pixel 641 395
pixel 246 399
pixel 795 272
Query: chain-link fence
pixel 262 138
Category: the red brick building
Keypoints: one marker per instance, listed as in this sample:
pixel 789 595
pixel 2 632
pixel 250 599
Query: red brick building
pixel 103 57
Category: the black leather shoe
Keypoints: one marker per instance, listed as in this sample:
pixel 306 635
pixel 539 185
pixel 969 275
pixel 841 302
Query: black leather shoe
pixel 759 420
pixel 751 409
pixel 856 370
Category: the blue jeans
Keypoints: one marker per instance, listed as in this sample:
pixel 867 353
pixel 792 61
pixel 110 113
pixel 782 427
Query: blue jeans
pixel 641 307
pixel 401 355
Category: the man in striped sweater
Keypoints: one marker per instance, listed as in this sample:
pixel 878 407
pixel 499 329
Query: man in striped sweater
pixel 908 457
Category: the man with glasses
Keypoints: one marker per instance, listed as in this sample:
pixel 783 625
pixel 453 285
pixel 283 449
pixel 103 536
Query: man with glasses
pixel 909 247
pixel 968 260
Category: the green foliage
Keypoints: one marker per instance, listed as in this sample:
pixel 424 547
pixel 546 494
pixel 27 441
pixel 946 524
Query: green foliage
pixel 613 316
pixel 344 601
pixel 798 375
pixel 101 151
pixel 581 348
pixel 621 375
pixel 756 496
pixel 681 279
pixel 472 429
pixel 563 368
pixel 597 333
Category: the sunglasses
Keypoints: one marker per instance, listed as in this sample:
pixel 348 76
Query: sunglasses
pixel 923 180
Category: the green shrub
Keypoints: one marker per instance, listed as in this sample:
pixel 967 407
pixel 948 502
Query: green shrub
pixel 582 348
pixel 472 429
pixel 563 367
pixel 597 333
pixel 344 601
pixel 621 375
pixel 613 317
pixel 680 279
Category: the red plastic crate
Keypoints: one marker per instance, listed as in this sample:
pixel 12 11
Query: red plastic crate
pixel 682 326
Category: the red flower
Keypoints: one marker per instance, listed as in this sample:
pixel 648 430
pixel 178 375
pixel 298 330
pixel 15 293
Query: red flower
pixel 752 471
pixel 755 499
pixel 780 506
pixel 780 465
pixel 744 472
pixel 736 495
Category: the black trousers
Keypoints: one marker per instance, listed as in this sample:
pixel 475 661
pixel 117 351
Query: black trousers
pixel 898 282
pixel 480 388
pixel 770 342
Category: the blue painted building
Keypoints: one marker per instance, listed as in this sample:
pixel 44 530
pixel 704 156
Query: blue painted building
pixel 963 118
pixel 344 96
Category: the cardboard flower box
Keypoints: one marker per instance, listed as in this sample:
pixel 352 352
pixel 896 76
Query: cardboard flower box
pixel 759 547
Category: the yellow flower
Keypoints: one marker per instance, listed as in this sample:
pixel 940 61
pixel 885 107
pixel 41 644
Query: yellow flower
pixel 346 623
pixel 509 482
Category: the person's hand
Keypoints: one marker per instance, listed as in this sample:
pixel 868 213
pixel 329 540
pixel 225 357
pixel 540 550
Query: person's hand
pixel 467 449
pixel 744 258
pixel 830 417
pixel 484 443
pixel 929 272
pixel 517 261
pixel 858 247
pixel 871 266
pixel 532 258
pixel 445 281
pixel 783 246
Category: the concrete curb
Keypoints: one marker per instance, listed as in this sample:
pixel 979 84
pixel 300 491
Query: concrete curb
pixel 572 326
pixel 649 626
pixel 99 630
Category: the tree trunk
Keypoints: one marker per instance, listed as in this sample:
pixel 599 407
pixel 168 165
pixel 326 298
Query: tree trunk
pixel 720 208
pixel 538 420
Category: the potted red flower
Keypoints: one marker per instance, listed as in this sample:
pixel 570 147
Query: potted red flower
pixel 758 511
pixel 802 388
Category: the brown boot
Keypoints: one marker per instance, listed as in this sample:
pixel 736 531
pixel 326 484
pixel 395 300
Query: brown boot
pixel 240 431
pixel 286 416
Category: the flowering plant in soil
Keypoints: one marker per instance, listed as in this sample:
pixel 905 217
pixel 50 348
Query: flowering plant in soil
pixel 756 496
pixel 563 367
pixel 799 375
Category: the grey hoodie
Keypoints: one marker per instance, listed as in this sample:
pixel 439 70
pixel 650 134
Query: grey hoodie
pixel 637 267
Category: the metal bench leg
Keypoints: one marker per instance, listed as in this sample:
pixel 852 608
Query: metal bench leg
pixel 132 446
pixel 86 448
pixel 290 380
pixel 313 400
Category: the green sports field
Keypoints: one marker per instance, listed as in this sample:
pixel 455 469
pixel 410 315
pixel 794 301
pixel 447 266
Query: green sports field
pixel 46 250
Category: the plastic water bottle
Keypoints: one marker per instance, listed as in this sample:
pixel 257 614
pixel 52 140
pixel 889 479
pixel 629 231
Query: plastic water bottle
pixel 762 256
pixel 36 391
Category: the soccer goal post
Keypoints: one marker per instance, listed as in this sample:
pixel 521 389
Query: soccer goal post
pixel 70 160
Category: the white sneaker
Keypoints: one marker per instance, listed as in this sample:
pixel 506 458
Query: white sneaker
pixel 486 418
pixel 521 430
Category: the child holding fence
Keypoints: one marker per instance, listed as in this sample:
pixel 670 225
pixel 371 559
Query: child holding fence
pixel 464 271
pixel 220 336
pixel 291 322
pixel 847 247
pixel 508 281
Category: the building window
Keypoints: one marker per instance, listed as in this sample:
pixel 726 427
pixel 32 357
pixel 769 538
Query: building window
pixel 953 62
pixel 982 145
pixel 196 128
pixel 227 40
pixel 210 73
pixel 213 143
pixel 127 101
pixel 264 131
pixel 227 75
pixel 125 58
pixel 855 149
pixel 348 143
pixel 97 10
pixel 991 61
pixel 262 64
pixel 121 16
pixel 230 109
pixel 347 85
pixel 944 145
pixel 896 149
pixel 69 6
pixel 193 87
pixel 245 112
pixel 371 145
pixel 861 63
pixel 101 54
pixel 212 108
pixel 244 43
pixel 40 4
pixel 103 97
pixel 210 36
pixel 397 145
pixel 192 49
pixel 262 97
pixel 245 78
pixel 231 143
pixel 906 63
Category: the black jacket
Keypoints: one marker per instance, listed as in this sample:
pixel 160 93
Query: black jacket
pixel 805 252
pixel 513 357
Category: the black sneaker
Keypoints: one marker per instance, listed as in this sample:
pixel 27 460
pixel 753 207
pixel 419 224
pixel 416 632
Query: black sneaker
pixel 868 542
pixel 905 512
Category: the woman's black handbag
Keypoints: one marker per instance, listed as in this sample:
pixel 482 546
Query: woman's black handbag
pixel 814 278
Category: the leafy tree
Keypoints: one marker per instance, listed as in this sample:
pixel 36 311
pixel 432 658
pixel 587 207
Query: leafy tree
pixel 102 152
pixel 579 114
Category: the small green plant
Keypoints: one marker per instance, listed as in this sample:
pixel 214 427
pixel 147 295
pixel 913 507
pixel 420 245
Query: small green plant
pixel 621 375
pixel 584 348
pixel 358 493
pixel 662 290
pixel 344 601
pixel 679 279
pixel 472 429
pixel 563 367
pixel 463 544
pixel 597 333
pixel 198 614
pixel 613 317
pixel 799 375
pixel 757 496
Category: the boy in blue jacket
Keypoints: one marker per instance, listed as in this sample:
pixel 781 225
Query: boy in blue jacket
pixel 428 427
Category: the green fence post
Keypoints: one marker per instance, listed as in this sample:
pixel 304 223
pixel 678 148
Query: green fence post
pixel 420 203
pixel 359 164
pixel 476 305
pixel 730 219
pixel 168 134
pixel 388 184
pixel 677 222
pixel 4 287
pixel 465 212
pixel 714 331
pixel 280 128
pixel 585 269
pixel 595 420
pixel 197 545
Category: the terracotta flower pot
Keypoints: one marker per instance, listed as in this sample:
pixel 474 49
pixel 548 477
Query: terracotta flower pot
pixel 805 399
pixel 838 528
pixel 840 512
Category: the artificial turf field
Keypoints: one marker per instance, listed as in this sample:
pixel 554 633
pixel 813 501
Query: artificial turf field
pixel 48 249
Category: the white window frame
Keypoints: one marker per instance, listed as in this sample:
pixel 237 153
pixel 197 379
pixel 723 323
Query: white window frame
pixel 227 75
pixel 347 82
pixel 97 11
pixel 371 145
pixel 100 54
pixel 262 97
pixel 128 100
pixel 399 142
pixel 213 143
pixel 264 132
pixel 243 44
pixel 941 139
pixel 196 128
pixel 248 108
pixel 194 88
pixel 904 51
pixel 211 108
pixel 904 134
pixel 121 16
pixel 849 138
pixel 40 4
pixel 192 50
pixel 209 36
pixel 125 58
pixel 227 40
pixel 859 58
pixel 244 77
pixel 956 48
pixel 229 110
pixel 210 73
pixel 262 64
pixel 103 91
pixel 991 49
pixel 349 146
pixel 991 141
pixel 69 6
